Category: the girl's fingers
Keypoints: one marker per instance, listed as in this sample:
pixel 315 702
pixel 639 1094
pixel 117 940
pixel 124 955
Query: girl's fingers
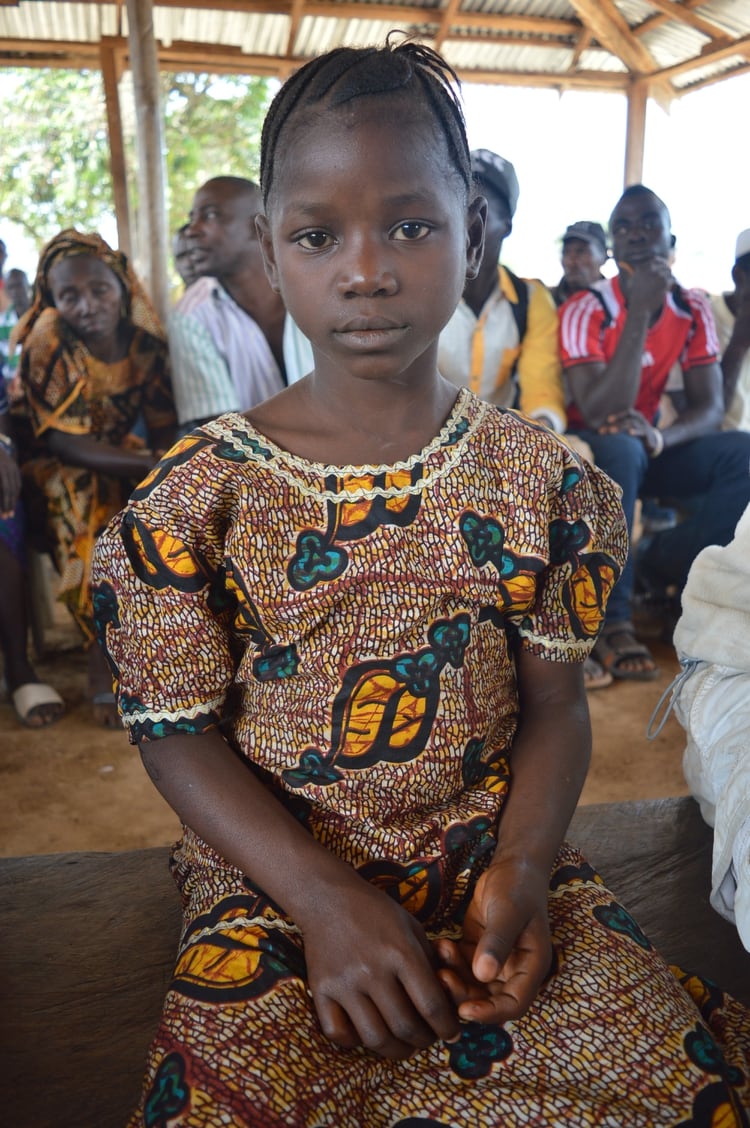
pixel 335 1023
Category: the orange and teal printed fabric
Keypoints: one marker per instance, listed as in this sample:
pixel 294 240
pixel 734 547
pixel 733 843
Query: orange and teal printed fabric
pixel 352 631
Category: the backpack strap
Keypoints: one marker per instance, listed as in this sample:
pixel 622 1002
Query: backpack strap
pixel 521 307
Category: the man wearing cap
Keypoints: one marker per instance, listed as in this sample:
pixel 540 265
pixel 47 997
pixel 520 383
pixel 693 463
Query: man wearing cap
pixel 619 341
pixel 732 314
pixel 584 252
pixel 502 340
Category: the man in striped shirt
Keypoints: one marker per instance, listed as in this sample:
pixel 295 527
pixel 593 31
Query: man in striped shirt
pixel 226 331
pixel 618 341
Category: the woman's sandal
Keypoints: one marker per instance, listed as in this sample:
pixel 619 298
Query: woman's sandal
pixel 617 645
pixel 594 675
pixel 37 704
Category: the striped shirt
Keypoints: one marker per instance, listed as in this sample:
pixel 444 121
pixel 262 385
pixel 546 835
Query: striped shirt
pixel 221 360
pixel 591 324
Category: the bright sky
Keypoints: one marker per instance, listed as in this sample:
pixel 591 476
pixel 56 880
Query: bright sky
pixel 568 152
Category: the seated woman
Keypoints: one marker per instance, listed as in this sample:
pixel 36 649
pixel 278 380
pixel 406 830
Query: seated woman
pixel 35 703
pixel 94 365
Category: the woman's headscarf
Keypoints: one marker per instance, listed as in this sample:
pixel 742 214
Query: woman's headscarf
pixel 137 306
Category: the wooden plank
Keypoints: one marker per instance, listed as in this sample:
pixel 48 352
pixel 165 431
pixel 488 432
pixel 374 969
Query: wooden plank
pixel 635 132
pixel 151 251
pixel 739 47
pixel 612 30
pixel 111 72
pixel 682 14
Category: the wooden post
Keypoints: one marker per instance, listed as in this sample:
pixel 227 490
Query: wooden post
pixel 111 65
pixel 635 131
pixel 152 211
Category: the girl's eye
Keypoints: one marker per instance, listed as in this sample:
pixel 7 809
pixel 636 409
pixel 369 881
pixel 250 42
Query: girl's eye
pixel 411 231
pixel 314 240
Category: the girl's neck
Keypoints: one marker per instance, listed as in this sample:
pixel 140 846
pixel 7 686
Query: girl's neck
pixel 387 425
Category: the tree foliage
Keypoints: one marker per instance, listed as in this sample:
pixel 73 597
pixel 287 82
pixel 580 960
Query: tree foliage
pixel 56 170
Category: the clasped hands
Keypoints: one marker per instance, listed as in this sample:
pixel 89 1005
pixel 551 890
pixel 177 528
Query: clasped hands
pixel 633 423
pixel 377 980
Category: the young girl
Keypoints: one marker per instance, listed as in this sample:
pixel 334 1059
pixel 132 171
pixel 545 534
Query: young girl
pixel 347 632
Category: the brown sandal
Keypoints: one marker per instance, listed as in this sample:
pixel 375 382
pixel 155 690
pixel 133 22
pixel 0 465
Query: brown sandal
pixel 616 645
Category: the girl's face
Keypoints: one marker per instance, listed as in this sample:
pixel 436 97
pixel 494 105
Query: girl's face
pixel 88 296
pixel 369 240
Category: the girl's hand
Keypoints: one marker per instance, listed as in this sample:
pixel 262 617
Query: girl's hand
pixel 373 976
pixel 495 971
pixel 10 482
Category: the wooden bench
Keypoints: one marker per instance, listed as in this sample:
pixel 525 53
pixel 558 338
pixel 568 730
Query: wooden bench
pixel 88 942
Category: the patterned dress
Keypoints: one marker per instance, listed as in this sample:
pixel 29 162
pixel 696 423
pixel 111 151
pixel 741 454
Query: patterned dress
pixel 351 630
pixel 63 387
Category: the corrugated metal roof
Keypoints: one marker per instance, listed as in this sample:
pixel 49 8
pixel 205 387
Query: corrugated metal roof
pixel 548 38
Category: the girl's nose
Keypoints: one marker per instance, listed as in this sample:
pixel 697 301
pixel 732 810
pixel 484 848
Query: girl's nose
pixel 367 272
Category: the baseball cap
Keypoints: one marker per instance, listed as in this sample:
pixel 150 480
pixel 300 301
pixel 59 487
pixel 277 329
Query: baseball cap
pixel 496 173
pixel 589 232
pixel 743 244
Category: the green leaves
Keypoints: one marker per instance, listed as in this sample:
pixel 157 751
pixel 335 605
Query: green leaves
pixel 56 169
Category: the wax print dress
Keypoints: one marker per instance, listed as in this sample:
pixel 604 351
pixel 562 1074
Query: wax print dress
pixel 352 632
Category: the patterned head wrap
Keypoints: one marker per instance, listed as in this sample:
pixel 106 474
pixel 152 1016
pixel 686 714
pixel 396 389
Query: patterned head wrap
pixel 137 306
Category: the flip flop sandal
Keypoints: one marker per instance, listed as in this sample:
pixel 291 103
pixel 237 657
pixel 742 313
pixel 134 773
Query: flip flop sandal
pixel 595 676
pixel 611 653
pixel 32 696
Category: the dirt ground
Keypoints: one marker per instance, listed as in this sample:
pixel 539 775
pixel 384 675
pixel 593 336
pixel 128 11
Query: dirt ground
pixel 76 786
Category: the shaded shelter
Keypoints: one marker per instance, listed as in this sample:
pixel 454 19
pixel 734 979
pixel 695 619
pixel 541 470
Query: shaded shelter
pixel 642 48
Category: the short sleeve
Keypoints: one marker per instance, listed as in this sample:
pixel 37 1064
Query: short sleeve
pixel 157 583
pixel 587 546
pixel 702 346
pixel 581 338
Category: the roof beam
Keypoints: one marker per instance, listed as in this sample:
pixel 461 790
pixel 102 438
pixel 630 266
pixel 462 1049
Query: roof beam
pixel 712 54
pixel 613 32
pixel 446 21
pixel 722 76
pixel 682 14
pixel 661 18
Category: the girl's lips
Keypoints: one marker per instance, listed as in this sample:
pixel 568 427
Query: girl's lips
pixel 368 325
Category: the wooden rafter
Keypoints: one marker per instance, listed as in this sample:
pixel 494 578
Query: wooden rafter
pixel 661 18
pixel 582 43
pixel 443 23
pixel 446 22
pixel 679 12
pixel 739 47
pixel 610 27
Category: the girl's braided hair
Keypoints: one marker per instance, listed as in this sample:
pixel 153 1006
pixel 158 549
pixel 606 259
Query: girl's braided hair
pixel 347 73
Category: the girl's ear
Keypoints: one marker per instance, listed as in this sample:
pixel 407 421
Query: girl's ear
pixel 476 221
pixel 263 229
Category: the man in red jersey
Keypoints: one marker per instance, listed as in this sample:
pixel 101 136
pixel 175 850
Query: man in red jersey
pixel 619 339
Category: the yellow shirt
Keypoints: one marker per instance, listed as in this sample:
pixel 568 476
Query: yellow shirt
pixel 485 354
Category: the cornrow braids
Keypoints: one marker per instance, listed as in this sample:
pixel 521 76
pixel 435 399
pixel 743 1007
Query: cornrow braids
pixel 347 73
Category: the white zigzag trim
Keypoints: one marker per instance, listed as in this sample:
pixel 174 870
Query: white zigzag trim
pixel 172 714
pixel 244 922
pixel 571 646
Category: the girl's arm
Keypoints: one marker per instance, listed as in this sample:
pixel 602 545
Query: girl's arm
pixel 496 972
pixel 371 969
